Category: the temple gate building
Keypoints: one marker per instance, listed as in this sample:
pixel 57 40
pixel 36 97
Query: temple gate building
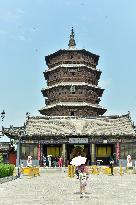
pixel 72 115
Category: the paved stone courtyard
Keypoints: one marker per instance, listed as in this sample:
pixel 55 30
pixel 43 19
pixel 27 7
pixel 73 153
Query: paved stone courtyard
pixel 55 188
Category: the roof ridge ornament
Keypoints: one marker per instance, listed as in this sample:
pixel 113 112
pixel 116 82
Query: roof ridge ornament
pixel 129 115
pixel 72 42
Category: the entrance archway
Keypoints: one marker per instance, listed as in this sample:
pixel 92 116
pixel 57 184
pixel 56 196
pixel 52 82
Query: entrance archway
pixel 86 150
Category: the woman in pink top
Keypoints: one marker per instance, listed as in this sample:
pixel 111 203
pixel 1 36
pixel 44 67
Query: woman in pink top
pixel 60 161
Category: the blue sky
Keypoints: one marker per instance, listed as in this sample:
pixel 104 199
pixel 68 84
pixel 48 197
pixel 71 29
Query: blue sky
pixel 32 29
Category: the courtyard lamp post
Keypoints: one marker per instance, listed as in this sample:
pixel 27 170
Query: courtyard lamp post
pixel 2 117
pixel 21 134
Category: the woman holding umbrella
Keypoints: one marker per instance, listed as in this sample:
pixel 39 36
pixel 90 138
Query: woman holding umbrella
pixel 83 176
pixel 82 172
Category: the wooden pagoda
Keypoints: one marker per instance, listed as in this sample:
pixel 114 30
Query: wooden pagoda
pixel 72 115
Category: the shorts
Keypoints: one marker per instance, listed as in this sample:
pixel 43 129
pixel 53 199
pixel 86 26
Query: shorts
pixel 83 184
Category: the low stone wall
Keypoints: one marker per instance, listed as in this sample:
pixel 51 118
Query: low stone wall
pixel 7 179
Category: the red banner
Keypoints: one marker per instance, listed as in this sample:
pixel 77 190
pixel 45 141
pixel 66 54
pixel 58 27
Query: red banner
pixel 39 151
pixel 117 151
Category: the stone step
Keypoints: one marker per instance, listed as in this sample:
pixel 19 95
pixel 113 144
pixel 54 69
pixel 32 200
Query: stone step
pixel 50 169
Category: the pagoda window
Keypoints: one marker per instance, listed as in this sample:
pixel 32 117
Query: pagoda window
pixel 78 56
pixel 72 113
pixel 72 89
pixel 71 56
pixel 73 73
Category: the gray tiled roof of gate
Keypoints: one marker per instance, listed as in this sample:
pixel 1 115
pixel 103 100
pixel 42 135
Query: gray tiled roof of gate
pixel 64 126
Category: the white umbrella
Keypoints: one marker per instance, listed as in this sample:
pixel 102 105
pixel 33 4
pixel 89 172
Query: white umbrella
pixel 77 161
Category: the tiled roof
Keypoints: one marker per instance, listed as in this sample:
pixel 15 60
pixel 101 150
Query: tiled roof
pixel 67 126
pixel 71 84
pixel 83 126
pixel 71 66
pixel 76 104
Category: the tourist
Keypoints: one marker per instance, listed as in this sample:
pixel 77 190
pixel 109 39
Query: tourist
pixel 77 172
pixel 29 161
pixel 83 176
pixel 44 161
pixel 111 165
pixel 54 162
pixel 49 160
pixel 129 161
pixel 60 161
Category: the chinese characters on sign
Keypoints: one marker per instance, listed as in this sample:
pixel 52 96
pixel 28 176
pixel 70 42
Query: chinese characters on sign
pixel 51 141
pixel 78 140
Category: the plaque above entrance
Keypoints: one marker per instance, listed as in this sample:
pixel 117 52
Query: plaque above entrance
pixel 78 140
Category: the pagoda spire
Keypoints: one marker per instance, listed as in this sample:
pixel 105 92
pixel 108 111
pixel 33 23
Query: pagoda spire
pixel 72 42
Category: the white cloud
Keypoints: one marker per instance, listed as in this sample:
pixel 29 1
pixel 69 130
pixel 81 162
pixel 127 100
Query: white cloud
pixel 9 16
pixel 2 32
pixel 20 11
pixel 105 83
pixel 34 29
pixel 22 38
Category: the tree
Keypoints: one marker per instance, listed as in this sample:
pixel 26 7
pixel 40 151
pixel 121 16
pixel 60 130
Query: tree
pixel 1 158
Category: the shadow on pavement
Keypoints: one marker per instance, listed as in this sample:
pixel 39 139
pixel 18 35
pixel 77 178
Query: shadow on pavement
pixel 85 193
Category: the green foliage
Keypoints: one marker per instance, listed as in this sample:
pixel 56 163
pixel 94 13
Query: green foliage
pixel 6 170
pixel 1 158
pixel 78 150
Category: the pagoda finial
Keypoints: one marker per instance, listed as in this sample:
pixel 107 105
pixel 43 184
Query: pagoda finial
pixel 72 42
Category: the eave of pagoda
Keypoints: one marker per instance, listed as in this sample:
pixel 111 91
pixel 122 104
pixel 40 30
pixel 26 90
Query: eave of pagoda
pixel 72 66
pixel 72 104
pixel 98 89
pixel 60 52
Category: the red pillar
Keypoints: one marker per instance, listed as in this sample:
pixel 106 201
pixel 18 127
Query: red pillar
pixel 117 151
pixel 39 151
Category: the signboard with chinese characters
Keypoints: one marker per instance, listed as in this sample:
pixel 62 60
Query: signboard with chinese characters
pixel 105 141
pixel 48 141
pixel 78 140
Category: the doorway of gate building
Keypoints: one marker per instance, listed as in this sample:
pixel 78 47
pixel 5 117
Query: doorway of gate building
pixel 72 148
pixel 52 149
pixel 55 151
pixel 104 152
